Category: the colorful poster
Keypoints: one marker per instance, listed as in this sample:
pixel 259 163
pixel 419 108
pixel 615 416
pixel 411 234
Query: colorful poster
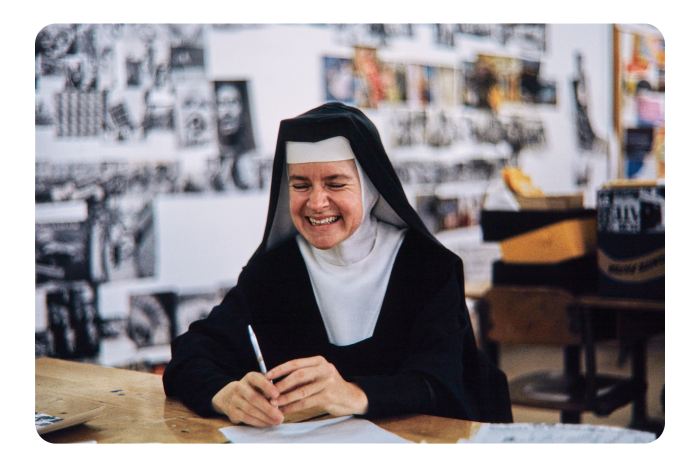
pixel 369 91
pixel 642 89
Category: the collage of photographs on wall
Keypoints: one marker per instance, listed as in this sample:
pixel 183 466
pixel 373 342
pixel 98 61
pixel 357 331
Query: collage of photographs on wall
pixel 427 106
pixel 124 85
pixel 121 109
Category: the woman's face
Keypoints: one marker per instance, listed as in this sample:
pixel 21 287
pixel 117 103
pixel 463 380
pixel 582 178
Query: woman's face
pixel 229 109
pixel 325 200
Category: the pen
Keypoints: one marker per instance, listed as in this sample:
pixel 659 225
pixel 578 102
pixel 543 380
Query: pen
pixel 256 348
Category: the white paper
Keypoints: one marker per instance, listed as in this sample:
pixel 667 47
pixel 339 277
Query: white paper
pixel 557 433
pixel 337 430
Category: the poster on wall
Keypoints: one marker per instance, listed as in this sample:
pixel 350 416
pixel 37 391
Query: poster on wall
pixel 235 134
pixel 339 80
pixel 590 168
pixel 492 80
pixel 641 91
pixel 364 81
pixel 194 114
pixel 69 324
pixel 150 319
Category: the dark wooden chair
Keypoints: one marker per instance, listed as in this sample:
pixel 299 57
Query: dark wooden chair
pixel 548 316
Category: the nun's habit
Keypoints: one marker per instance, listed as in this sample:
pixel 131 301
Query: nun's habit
pixel 404 337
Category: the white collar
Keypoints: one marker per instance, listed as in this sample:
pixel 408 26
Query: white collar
pixel 350 279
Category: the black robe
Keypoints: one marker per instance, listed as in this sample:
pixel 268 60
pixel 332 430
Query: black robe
pixel 411 364
pixel 422 356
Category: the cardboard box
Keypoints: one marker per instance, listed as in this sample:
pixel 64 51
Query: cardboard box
pixel 631 241
pixel 544 248
pixel 554 243
pixel 550 203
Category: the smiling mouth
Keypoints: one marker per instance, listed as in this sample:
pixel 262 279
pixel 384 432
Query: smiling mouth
pixel 326 221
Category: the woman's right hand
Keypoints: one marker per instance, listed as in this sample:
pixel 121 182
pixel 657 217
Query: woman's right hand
pixel 252 400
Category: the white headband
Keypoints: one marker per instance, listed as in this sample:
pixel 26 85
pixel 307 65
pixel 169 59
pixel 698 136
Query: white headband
pixel 329 150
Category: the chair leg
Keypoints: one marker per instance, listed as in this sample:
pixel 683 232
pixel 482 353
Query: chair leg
pixel 572 367
pixel 640 421
pixel 572 360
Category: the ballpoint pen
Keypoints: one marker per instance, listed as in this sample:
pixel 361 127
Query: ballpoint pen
pixel 256 349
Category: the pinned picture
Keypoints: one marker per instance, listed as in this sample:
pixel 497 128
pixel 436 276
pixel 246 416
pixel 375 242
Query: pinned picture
pixel 393 78
pixel 369 91
pixel 150 319
pixel 194 114
pixel 194 306
pixel 72 322
pixel 235 135
pixel 420 89
pixel 339 80
pixel 234 125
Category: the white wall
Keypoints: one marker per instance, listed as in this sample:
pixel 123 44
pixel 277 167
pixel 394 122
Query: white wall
pixel 551 170
pixel 206 239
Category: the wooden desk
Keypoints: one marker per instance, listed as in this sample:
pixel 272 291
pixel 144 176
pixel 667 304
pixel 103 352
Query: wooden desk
pixel 137 411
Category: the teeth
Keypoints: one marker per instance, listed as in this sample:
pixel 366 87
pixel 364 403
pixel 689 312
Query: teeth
pixel 327 220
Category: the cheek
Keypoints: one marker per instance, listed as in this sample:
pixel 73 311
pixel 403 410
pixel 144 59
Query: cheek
pixel 296 204
pixel 352 212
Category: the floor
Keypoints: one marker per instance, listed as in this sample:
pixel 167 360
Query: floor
pixel 516 360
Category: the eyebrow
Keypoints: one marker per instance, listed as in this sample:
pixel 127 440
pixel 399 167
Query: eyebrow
pixel 299 178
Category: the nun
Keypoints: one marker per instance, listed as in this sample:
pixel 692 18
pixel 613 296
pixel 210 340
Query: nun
pixel 357 308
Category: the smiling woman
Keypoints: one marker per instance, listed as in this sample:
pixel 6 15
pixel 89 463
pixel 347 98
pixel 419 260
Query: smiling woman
pixel 357 308
pixel 325 201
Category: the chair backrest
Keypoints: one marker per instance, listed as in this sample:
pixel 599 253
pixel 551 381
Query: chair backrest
pixel 531 315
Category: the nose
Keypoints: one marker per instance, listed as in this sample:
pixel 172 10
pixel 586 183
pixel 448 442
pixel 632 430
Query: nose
pixel 318 200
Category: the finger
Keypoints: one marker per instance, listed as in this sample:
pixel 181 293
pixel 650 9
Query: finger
pixel 297 378
pixel 263 384
pixel 255 404
pixel 239 416
pixel 302 392
pixel 303 404
pixel 267 414
pixel 293 365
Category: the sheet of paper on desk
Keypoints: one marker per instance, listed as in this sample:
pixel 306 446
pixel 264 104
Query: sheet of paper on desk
pixel 336 430
pixel 557 433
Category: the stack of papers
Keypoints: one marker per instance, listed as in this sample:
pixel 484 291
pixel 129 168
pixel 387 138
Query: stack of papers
pixel 557 433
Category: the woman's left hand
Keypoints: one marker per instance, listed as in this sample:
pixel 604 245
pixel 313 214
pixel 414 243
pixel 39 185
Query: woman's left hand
pixel 314 382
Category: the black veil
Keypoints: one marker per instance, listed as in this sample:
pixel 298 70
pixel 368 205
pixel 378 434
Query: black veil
pixel 327 121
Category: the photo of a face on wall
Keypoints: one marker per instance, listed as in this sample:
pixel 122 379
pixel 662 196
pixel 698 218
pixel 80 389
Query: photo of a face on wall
pixel 195 125
pixel 233 115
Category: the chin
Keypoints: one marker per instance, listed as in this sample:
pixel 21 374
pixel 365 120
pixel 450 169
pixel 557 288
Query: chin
pixel 322 244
